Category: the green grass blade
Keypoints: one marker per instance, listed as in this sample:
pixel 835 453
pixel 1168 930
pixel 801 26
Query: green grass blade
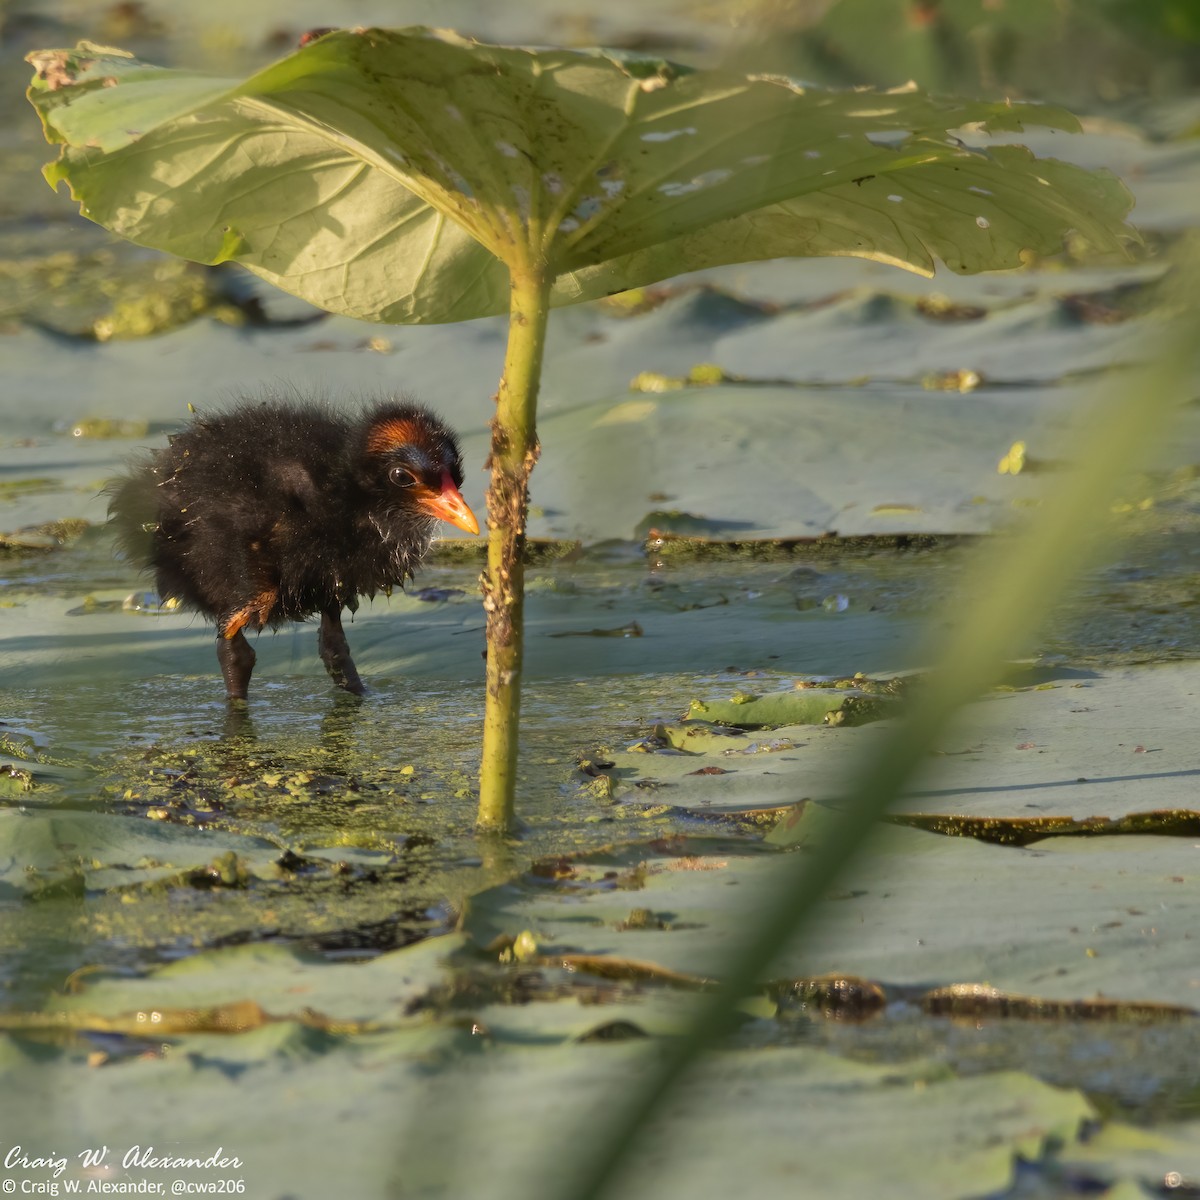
pixel 1011 593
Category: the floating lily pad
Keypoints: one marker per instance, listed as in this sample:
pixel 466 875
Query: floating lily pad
pixel 105 849
pixel 273 1095
pixel 917 910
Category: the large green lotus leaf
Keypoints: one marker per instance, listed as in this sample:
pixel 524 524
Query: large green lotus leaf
pixel 1075 744
pixel 279 979
pixel 399 987
pixel 1103 744
pixel 306 1113
pixel 791 1122
pixel 349 171
pixel 1068 919
pixel 977 212
pixel 106 850
pixel 426 1110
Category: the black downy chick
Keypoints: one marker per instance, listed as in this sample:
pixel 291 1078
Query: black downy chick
pixel 273 512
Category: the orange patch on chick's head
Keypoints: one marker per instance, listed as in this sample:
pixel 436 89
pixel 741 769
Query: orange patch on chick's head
pixel 392 433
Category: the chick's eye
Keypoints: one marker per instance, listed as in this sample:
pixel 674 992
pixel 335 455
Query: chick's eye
pixel 401 476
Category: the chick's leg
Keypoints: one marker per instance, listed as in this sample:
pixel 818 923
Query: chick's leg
pixel 237 662
pixel 233 651
pixel 335 652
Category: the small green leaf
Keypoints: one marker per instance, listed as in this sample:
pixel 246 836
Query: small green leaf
pixel 807 706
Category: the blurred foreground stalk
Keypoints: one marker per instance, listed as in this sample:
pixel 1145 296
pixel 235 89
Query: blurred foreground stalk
pixel 1010 594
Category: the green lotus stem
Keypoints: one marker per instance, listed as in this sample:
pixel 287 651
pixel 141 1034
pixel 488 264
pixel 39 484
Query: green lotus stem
pixel 514 451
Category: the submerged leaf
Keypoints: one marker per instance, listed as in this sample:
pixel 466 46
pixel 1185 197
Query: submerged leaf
pixel 1024 831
